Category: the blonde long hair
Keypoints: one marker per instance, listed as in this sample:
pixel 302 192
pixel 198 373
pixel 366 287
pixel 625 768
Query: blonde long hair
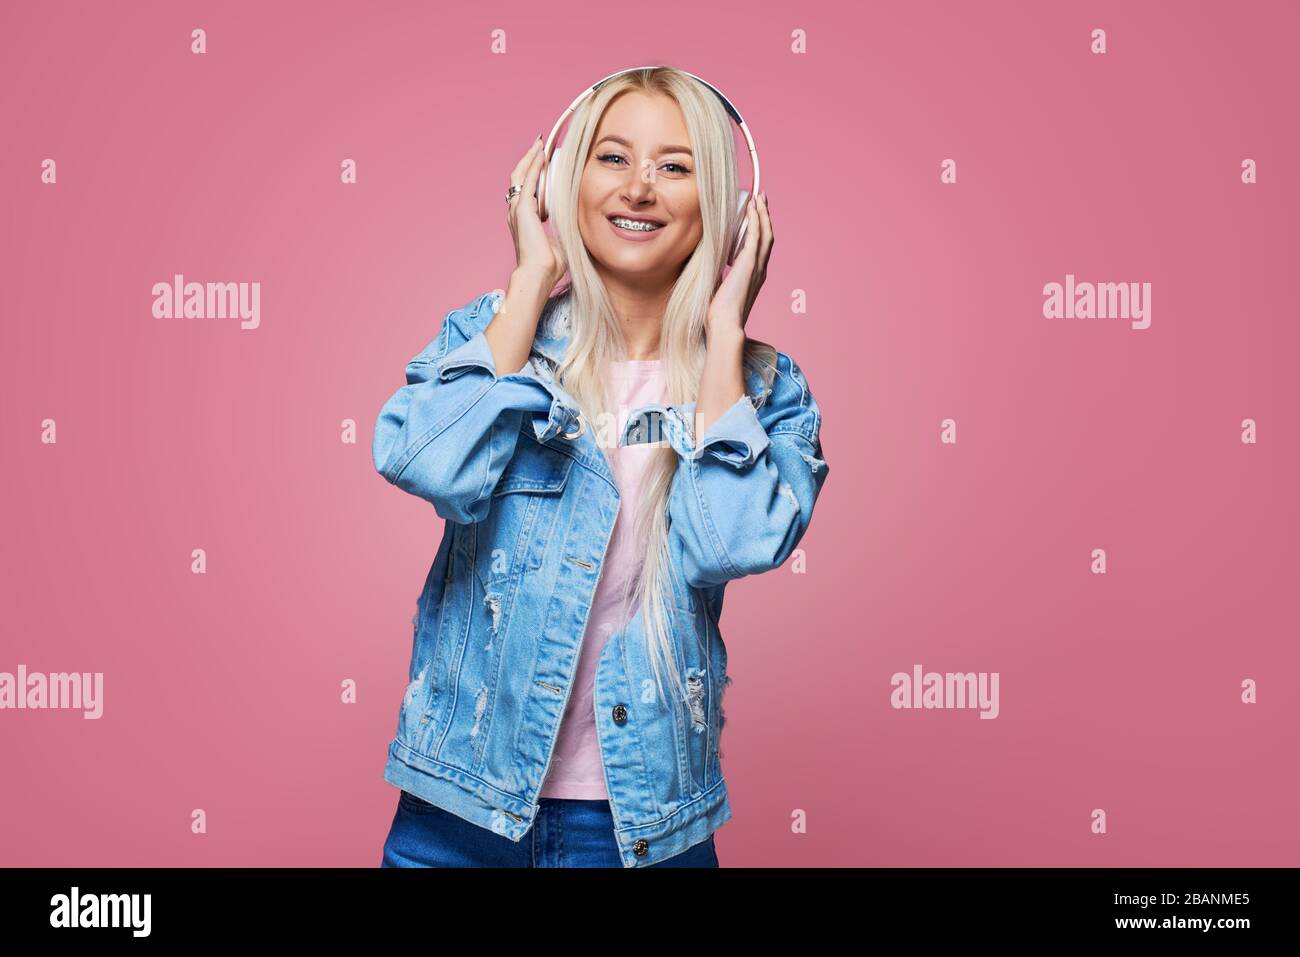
pixel 595 337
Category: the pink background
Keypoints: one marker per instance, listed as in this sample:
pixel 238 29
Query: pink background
pixel 222 691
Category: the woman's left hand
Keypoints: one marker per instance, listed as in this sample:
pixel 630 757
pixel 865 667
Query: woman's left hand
pixel 736 294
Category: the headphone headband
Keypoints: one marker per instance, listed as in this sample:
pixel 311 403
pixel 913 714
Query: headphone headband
pixel 543 212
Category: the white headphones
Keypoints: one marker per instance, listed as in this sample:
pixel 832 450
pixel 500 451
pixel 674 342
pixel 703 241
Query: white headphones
pixel 552 149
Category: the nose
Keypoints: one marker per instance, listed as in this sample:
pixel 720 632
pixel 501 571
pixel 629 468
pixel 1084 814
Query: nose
pixel 640 186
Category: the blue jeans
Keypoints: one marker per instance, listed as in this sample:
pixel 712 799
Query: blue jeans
pixel 565 833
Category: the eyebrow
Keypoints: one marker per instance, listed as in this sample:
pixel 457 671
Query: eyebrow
pixel 662 149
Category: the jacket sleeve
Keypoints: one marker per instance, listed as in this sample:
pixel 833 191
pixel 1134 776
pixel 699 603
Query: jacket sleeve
pixel 743 495
pixel 448 434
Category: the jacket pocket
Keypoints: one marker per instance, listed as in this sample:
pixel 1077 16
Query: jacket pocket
pixel 527 501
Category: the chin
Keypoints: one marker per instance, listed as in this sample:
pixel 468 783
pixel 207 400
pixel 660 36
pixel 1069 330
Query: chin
pixel 634 266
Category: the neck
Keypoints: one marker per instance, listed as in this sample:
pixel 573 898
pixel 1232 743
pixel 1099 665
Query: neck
pixel 639 311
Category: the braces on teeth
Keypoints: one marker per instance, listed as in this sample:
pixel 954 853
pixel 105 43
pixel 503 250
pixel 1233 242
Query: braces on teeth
pixel 634 224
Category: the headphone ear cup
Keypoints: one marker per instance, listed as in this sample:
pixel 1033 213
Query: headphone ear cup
pixel 741 229
pixel 544 190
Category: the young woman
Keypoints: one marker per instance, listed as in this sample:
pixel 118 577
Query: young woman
pixel 564 704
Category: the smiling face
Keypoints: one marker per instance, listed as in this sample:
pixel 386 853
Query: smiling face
pixel 640 167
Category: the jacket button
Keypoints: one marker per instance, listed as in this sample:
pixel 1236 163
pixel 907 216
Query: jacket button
pixel 640 847
pixel 620 714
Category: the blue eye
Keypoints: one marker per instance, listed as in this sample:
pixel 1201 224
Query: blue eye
pixel 614 156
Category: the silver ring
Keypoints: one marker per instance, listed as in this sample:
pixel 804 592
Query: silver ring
pixel 512 193
pixel 582 427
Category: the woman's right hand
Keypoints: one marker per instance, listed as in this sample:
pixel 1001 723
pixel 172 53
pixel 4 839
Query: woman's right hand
pixel 536 253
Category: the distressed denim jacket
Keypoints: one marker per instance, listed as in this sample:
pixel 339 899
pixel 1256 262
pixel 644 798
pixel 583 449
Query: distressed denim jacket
pixel 529 502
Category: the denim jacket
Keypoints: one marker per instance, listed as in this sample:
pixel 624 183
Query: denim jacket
pixel 529 502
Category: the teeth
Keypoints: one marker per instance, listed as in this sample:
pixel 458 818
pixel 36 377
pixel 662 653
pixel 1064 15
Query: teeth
pixel 634 224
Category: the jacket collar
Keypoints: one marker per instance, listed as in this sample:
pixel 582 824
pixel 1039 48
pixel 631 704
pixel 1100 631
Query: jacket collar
pixel 552 338
pixel 552 341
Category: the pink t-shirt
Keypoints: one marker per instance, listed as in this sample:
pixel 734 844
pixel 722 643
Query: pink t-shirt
pixel 576 770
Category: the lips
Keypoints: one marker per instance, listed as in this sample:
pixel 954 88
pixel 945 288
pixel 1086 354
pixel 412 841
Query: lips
pixel 628 234
pixel 639 219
